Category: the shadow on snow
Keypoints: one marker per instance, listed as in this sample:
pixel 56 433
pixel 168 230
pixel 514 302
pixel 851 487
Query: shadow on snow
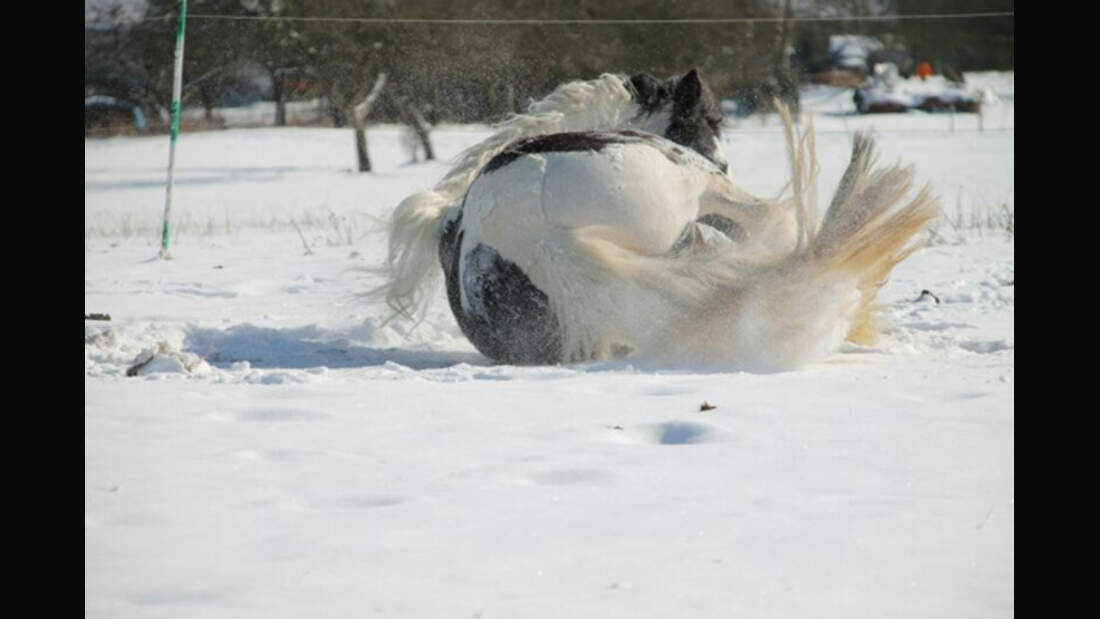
pixel 309 347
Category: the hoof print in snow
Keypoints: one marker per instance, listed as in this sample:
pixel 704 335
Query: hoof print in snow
pixel 278 415
pixel 573 477
pixel 674 433
pixel 368 501
pixel 987 347
pixel 685 433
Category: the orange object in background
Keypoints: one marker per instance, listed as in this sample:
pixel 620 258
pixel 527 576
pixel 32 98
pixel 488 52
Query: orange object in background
pixel 924 70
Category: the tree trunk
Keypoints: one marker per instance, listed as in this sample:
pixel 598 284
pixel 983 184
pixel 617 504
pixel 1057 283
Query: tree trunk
pixel 358 114
pixel 788 88
pixel 336 105
pixel 280 100
pixel 509 100
pixel 206 95
pixel 411 116
pixel 492 100
pixel 280 113
pixel 361 149
pixel 339 118
pixel 426 142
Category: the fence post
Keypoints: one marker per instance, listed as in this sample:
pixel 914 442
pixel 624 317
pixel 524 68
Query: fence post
pixel 177 86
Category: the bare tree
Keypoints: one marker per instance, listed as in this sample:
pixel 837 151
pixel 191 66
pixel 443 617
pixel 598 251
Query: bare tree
pixel 359 114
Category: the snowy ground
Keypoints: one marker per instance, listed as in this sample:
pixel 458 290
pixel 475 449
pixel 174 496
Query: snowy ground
pixel 287 454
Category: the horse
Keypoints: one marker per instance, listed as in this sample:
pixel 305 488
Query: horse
pixel 604 224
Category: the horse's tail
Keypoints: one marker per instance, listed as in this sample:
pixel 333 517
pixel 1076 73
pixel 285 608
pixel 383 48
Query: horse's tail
pixel 869 226
pixel 760 306
pixel 824 290
pixel 412 259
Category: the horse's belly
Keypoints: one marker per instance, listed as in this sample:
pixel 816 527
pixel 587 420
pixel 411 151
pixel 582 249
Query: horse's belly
pixel 637 196
pixel 641 198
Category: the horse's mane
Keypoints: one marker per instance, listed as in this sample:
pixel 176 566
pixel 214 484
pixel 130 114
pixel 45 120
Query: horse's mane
pixel 591 105
pixel 411 264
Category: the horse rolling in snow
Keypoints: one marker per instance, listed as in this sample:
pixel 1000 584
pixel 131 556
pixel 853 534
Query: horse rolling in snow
pixel 603 225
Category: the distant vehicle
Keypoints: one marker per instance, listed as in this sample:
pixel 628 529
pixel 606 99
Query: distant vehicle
pixel 887 92
pixel 109 114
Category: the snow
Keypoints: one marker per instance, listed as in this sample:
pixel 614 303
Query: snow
pixel 287 452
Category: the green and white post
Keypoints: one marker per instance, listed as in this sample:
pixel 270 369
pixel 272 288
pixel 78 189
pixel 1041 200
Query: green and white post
pixel 177 86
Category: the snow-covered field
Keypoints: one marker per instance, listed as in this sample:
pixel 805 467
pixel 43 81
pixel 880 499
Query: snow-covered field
pixel 286 453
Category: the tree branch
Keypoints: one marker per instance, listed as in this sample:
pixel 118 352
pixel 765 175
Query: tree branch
pixel 362 110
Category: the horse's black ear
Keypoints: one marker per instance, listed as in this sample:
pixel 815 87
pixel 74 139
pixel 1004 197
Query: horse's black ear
pixel 689 90
pixel 646 90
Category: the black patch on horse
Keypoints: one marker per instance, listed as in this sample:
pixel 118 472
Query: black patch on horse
pixel 640 135
pixel 574 141
pixel 517 324
pixel 589 141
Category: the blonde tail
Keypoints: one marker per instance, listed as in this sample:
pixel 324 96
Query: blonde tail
pixel 867 229
pixel 412 261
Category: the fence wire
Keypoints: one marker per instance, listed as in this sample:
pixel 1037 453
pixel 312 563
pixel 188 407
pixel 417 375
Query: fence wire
pixel 580 22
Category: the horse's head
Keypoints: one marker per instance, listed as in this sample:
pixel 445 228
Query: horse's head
pixel 684 110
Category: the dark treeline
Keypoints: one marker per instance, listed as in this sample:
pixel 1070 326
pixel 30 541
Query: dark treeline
pixel 479 72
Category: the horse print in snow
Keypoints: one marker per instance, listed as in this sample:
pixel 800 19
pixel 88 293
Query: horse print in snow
pixel 603 225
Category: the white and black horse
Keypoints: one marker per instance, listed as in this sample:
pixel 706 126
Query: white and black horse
pixel 603 224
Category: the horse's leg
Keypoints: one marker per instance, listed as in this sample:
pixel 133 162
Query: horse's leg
pixel 766 227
